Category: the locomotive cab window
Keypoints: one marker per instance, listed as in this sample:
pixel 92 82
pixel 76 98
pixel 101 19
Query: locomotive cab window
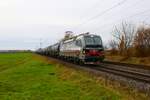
pixel 93 40
pixel 78 43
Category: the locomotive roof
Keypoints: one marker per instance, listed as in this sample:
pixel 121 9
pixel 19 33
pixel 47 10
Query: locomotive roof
pixel 74 37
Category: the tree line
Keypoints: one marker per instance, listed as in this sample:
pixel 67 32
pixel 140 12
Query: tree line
pixel 129 40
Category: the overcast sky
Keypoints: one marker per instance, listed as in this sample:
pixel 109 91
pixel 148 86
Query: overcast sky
pixel 24 23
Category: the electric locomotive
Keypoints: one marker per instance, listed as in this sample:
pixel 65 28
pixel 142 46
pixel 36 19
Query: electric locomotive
pixel 84 48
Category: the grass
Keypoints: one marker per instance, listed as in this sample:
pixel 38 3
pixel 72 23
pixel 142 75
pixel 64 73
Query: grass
pixel 26 76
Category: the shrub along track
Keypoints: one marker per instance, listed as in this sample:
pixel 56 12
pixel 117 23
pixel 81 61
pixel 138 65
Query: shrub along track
pixel 134 76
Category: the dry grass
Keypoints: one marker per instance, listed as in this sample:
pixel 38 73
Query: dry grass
pixel 130 60
pixel 68 73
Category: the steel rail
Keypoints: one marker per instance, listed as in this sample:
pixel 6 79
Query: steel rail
pixel 125 73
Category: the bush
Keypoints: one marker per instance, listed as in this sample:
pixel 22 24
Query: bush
pixel 142 42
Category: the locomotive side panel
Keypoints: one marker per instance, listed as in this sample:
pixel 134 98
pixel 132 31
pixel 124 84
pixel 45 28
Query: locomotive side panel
pixel 69 49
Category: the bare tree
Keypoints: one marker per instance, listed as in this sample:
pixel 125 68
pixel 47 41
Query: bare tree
pixel 124 36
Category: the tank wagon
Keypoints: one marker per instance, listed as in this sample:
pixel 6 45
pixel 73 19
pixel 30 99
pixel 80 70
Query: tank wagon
pixel 84 49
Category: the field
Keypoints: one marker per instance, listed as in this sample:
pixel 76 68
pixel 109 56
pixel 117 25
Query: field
pixel 27 76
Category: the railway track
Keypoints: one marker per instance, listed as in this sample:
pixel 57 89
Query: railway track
pixel 120 70
pixel 135 75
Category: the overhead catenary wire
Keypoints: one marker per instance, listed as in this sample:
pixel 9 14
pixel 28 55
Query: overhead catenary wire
pixel 102 13
pixel 134 15
pixel 131 6
pixel 135 3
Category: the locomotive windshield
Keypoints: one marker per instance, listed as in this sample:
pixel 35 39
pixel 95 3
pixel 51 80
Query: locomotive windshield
pixel 93 40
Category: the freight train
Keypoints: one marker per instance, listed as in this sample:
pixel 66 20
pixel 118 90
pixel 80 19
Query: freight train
pixel 82 49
